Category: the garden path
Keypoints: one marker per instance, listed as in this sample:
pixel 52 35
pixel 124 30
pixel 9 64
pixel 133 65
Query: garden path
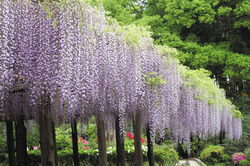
pixel 193 162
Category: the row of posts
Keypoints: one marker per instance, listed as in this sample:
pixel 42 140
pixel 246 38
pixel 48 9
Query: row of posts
pixel 48 141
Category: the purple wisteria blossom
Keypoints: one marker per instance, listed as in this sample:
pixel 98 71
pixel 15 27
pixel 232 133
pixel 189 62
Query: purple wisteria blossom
pixel 67 57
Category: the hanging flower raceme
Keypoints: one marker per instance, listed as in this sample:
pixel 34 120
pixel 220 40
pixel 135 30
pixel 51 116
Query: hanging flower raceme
pixel 7 51
pixel 78 64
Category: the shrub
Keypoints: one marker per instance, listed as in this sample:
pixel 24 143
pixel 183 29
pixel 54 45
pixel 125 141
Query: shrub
pixel 3 146
pixel 165 155
pixel 130 150
pixel 197 145
pixel 247 153
pixel 3 142
pixel 214 154
pixel 33 137
pixel 237 157
pixel 63 142
pixel 91 130
pixel 244 163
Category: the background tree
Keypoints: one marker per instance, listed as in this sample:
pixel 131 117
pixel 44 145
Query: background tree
pixel 208 34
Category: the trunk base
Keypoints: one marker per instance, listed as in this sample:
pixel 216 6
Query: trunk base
pixel 101 140
pixel 21 142
pixel 137 138
pixel 10 142
pixel 47 140
pixel 74 141
pixel 119 144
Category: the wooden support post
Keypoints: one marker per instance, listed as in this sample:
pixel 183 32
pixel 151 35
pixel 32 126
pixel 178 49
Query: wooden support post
pixel 10 142
pixel 119 143
pixel 47 139
pixel 21 142
pixel 75 143
pixel 151 158
pixel 101 140
pixel 137 138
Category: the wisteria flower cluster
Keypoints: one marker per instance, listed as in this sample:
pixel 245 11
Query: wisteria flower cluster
pixel 72 60
pixel 237 157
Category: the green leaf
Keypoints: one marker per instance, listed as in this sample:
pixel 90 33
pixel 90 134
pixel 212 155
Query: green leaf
pixel 54 23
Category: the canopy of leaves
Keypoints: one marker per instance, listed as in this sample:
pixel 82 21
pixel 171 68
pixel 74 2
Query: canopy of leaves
pixel 210 34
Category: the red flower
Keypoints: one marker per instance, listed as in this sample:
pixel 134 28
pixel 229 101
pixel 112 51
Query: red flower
pixel 143 140
pixel 130 135
pixel 81 140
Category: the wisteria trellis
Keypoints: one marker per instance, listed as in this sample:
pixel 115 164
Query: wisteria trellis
pixel 64 51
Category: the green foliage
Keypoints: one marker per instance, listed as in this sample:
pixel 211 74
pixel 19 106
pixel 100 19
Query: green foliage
pixel 242 12
pixel 63 142
pixel 244 163
pixel 192 38
pixel 3 143
pixel 117 10
pixel 204 34
pixel 209 57
pixel 187 13
pixel 165 155
pixel 90 131
pixel 214 154
pixel 209 20
pixel 134 34
pixel 247 153
pixel 166 50
pixel 63 135
pixel 224 11
pixel 152 80
pixel 34 152
pixel 197 146
pixel 33 138
pixel 130 151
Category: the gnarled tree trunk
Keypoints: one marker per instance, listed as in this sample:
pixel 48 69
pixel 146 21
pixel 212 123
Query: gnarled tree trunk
pixel 137 138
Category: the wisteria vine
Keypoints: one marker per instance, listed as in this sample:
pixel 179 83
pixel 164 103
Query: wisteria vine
pixel 70 55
